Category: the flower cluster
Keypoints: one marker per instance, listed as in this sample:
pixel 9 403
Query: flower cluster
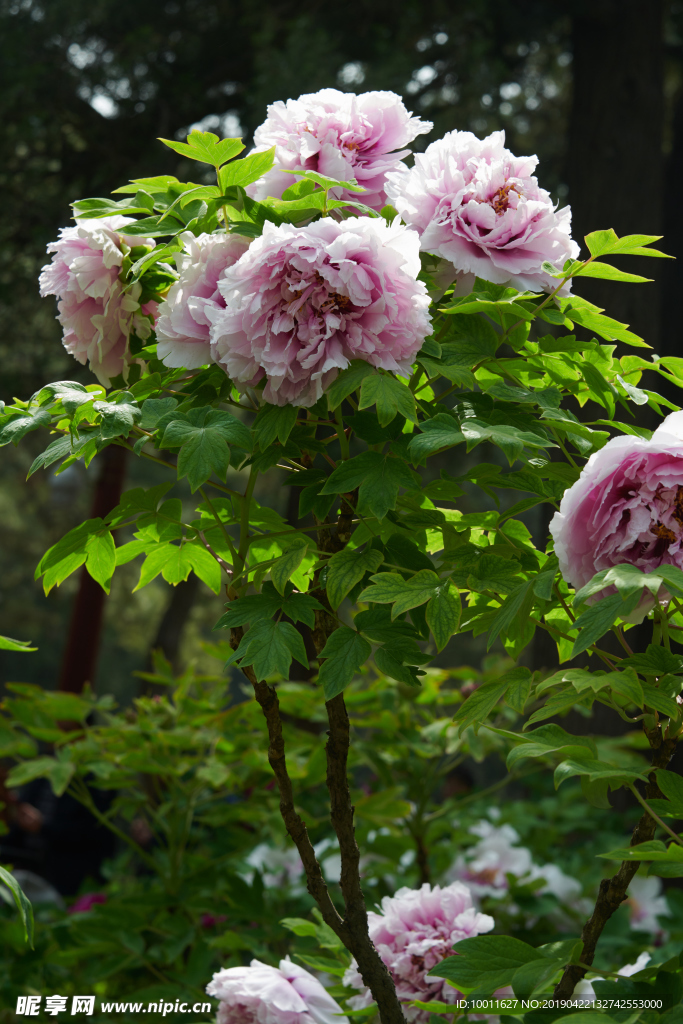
pixel 98 313
pixel 289 311
pixel 479 207
pixel 415 931
pixel 626 507
pixel 260 994
pixel 340 135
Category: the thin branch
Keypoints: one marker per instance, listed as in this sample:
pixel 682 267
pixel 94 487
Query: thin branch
pixel 613 890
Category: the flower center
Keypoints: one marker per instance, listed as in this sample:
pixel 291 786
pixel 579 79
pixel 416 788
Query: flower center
pixel 500 200
pixel 675 511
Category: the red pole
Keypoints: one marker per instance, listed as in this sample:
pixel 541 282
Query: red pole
pixel 79 661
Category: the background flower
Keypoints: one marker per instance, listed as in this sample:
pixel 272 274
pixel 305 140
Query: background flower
pixel 415 931
pixel 97 313
pixel 646 903
pixel 302 302
pixel 338 134
pixel 260 994
pixel 626 507
pixel 183 326
pixel 477 205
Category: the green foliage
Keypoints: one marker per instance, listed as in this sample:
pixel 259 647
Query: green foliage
pixel 23 904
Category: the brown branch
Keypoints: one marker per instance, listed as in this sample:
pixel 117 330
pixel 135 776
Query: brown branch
pixel 296 828
pixel 613 890
pixel 372 968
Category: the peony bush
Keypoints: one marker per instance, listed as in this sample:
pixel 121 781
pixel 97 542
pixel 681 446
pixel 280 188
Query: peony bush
pixel 327 317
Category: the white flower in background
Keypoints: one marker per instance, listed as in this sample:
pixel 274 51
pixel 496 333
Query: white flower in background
pixel 486 865
pixel 646 903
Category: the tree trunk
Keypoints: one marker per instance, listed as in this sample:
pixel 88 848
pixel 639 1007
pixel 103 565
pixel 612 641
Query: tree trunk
pixel 79 661
pixel 614 158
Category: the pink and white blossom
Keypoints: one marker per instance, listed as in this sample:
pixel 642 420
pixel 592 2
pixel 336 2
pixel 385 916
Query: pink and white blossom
pixel 302 302
pixel 340 135
pixel 477 205
pixel 260 994
pixel 98 314
pixel 486 865
pixel 626 507
pixel 646 904
pixel 183 326
pixel 415 931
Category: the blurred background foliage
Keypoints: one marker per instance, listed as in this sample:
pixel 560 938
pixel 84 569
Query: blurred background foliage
pixel 86 87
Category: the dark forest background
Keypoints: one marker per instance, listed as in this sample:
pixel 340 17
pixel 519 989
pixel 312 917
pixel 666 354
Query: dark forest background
pixel 594 87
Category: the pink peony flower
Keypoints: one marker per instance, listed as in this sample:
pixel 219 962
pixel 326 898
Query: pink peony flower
pixel 478 206
pixel 415 931
pixel 338 134
pixel 86 902
pixel 302 302
pixel 626 507
pixel 260 994
pixel 183 326
pixel 97 313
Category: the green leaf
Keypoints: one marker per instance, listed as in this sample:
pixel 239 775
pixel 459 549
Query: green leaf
pixel 654 850
pixel 248 169
pixel 607 242
pixel 346 568
pixel 535 975
pixel 117 418
pixel 344 653
pixel 379 478
pixel 628 685
pixel 671 786
pixel 391 588
pixel 485 962
pixel 441 432
pixel 62 448
pixel 609 273
pixel 595 770
pixel 67 555
pixel 284 568
pixel 23 903
pixel 155 409
pixel 518 690
pixel 14 427
pixel 269 647
pixel 508 612
pixel 510 439
pixel 206 147
pixel 389 395
pixel 171 560
pixel 348 381
pixel 101 558
pixel 549 741
pixel 654 698
pixel 203 435
pixel 69 392
pixel 476 708
pixel 274 421
pixel 15 645
pixel 204 565
pixel 443 614
pixel 325 182
pixel 598 619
